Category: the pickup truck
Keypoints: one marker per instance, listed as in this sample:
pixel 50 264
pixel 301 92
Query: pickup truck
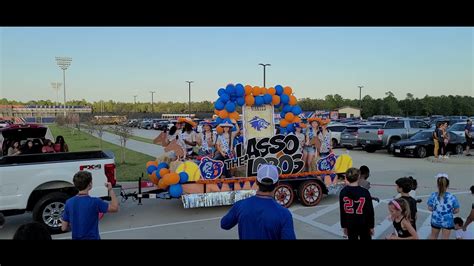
pixel 41 183
pixel 392 132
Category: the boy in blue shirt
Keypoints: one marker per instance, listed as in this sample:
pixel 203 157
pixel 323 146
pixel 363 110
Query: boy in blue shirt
pixel 81 212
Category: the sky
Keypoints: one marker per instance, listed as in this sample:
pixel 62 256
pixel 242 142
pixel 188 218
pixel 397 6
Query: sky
pixel 116 63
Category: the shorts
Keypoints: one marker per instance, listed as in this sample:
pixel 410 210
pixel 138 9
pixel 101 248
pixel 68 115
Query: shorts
pixel 440 227
pixel 310 150
pixel 469 142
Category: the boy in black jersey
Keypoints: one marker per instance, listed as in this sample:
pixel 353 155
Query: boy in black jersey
pixel 356 209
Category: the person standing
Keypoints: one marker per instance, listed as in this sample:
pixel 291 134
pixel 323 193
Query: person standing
pixel 260 216
pixel 468 135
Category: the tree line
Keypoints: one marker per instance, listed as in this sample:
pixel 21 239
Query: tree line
pixel 389 105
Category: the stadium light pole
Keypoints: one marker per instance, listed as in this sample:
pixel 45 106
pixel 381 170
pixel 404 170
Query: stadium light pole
pixel 56 86
pixel 189 95
pixel 64 63
pixel 264 68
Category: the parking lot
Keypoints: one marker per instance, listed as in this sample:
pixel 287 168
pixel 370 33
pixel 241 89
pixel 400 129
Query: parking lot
pixel 167 219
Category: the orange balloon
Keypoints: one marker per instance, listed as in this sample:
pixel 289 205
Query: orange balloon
pixel 155 163
pixel 292 100
pixel 223 114
pixel 162 184
pixel 171 179
pixel 219 130
pixel 275 99
pixel 256 91
pixel 272 91
pixel 152 178
pixel 288 117
pixel 234 115
pixel 287 90
pixel 249 100
pixel 297 119
pixel 248 89
pixel 283 123
pixel 164 171
pixel 216 111
pixel 263 91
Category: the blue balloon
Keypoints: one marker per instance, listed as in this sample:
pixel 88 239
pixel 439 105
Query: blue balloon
pixel 221 91
pixel 230 107
pixel 267 98
pixel 239 90
pixel 163 165
pixel 230 89
pixel 296 110
pixel 290 128
pixel 219 105
pixel 157 174
pixel 282 114
pixel 279 89
pixel 240 101
pixel 287 108
pixel 183 177
pixel 176 190
pixel 284 99
pixel 224 98
pixel 218 120
pixel 150 169
pixel 259 100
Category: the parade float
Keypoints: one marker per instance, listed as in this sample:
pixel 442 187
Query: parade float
pixel 199 181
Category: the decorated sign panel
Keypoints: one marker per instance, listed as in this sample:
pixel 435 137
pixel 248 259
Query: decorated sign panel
pixel 279 150
pixel 258 121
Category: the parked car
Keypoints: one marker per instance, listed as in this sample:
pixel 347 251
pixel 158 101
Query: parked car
pixel 336 130
pixel 350 135
pixel 421 145
pixel 458 129
pixel 4 123
pixel 161 125
pixel 146 124
pixel 392 132
pixel 132 123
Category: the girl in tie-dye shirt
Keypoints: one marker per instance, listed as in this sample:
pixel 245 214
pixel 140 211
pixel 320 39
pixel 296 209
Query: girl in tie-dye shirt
pixel 443 206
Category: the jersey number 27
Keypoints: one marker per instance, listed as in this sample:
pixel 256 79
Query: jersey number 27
pixel 349 205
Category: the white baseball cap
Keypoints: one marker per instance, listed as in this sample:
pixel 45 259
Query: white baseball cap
pixel 267 171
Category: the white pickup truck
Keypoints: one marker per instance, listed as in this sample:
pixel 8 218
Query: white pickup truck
pixel 41 183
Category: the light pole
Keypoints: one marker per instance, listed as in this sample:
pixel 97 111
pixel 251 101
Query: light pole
pixel 189 83
pixel 64 63
pixel 360 96
pixel 152 92
pixel 56 86
pixel 264 67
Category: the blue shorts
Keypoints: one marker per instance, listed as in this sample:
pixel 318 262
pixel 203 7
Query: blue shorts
pixel 310 150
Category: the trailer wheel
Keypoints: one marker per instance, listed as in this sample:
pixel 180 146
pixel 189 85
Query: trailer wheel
pixel 310 193
pixel 284 195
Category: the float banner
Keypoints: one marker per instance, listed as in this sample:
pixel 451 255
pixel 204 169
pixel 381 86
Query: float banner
pixel 258 122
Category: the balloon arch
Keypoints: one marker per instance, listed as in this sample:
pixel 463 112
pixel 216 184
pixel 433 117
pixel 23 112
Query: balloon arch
pixel 238 95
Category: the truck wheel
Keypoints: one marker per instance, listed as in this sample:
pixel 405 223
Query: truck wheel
pixel 284 195
pixel 459 149
pixel 370 149
pixel 49 209
pixel 421 152
pixel 390 145
pixel 310 193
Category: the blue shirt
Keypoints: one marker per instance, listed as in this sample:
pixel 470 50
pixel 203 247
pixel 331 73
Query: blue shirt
pixel 237 140
pixel 260 218
pixel 442 215
pixel 468 128
pixel 82 213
